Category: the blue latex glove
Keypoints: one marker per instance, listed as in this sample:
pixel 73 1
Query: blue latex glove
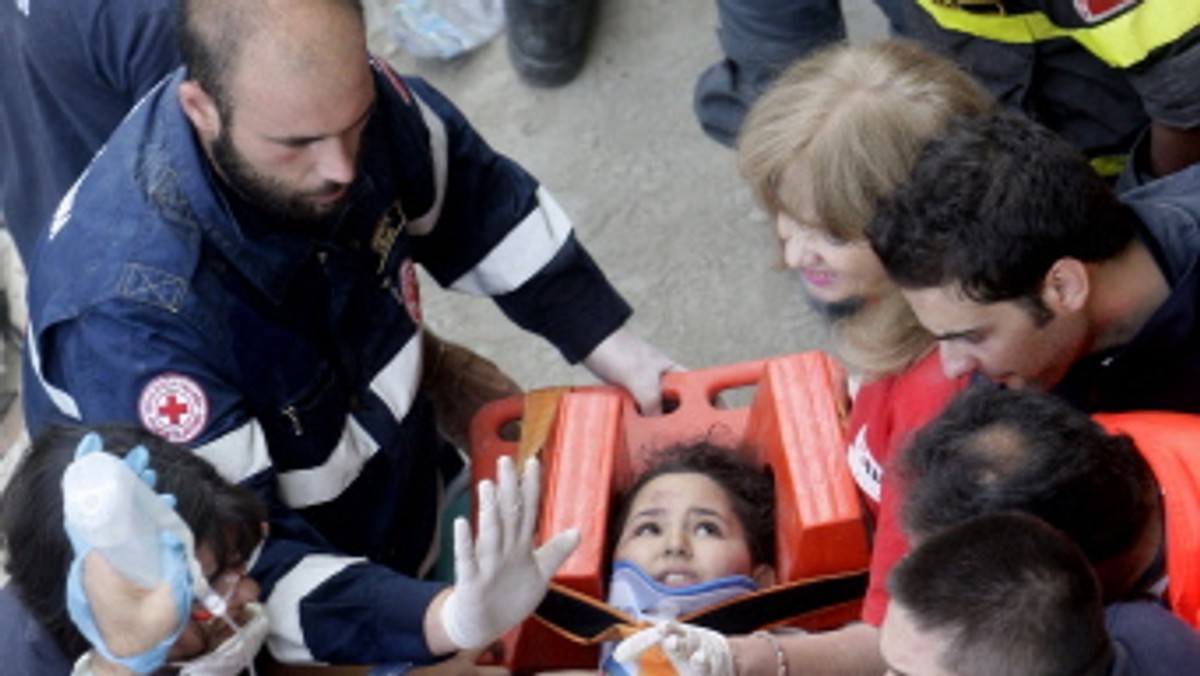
pixel 173 559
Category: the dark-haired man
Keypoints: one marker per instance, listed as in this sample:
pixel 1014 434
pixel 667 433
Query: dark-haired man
pixel 1030 271
pixel 1007 595
pixel 1128 506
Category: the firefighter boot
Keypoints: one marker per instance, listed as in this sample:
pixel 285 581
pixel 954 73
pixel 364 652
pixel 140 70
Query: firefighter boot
pixel 548 39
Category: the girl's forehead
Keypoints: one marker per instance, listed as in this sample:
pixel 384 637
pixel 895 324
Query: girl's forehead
pixel 690 487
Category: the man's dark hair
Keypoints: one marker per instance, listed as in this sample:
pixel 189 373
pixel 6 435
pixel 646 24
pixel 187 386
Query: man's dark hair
pixel 212 33
pixel 996 449
pixel 990 205
pixel 227 518
pixel 749 486
pixel 1011 595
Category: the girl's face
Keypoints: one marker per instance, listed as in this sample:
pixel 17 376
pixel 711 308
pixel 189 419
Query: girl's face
pixel 833 271
pixel 682 530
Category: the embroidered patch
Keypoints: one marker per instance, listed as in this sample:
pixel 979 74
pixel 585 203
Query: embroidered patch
pixel 1095 11
pixel 174 407
pixel 410 290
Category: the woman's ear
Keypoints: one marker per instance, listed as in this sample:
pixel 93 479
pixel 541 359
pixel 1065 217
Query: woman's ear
pixel 763 575
pixel 1066 286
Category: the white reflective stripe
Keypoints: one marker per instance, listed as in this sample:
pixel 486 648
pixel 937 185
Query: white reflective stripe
pixel 316 485
pixel 422 224
pixel 239 454
pixel 527 249
pixel 61 400
pixel 286 640
pixel 396 384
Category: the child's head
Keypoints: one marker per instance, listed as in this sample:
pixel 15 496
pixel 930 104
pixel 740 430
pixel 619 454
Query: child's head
pixel 836 133
pixel 1002 594
pixel 226 521
pixel 699 512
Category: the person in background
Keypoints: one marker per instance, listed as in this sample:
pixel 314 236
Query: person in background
pixel 759 39
pixel 1008 595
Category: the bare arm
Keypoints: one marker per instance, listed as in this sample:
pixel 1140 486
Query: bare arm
pixel 850 650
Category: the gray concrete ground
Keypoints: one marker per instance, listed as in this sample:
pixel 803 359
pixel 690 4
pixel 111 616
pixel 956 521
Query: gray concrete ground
pixel 658 204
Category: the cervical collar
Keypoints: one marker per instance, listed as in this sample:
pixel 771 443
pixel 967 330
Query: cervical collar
pixel 635 593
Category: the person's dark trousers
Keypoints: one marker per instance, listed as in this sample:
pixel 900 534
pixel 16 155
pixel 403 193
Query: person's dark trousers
pixel 548 39
pixel 760 38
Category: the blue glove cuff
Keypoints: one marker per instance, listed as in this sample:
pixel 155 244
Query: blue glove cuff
pixel 80 611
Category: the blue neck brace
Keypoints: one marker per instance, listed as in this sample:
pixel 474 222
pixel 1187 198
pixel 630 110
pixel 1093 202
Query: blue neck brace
pixel 635 593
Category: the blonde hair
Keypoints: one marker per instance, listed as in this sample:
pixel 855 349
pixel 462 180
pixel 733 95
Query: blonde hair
pixel 843 128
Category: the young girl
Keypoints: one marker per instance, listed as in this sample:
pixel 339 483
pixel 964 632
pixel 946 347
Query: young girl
pixel 696 528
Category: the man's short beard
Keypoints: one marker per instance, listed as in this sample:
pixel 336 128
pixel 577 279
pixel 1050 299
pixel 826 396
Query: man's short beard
pixel 266 194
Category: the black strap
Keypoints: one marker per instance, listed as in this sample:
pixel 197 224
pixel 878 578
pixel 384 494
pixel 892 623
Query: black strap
pixel 587 620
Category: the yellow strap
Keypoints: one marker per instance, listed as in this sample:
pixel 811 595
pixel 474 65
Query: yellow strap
pixel 1120 42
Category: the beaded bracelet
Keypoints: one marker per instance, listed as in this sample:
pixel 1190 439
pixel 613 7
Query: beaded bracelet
pixel 780 658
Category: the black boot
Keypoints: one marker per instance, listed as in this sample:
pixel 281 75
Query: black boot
pixel 548 39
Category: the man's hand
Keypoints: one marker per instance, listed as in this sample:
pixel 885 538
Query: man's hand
pixel 501 578
pixel 692 650
pixel 626 360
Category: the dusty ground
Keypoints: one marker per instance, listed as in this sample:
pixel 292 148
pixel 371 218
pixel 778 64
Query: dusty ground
pixel 659 205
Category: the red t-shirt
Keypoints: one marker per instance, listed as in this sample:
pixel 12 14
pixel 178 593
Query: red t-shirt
pixel 885 415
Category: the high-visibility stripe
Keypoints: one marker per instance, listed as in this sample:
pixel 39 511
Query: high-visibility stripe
pixel 439 153
pixel 63 401
pixel 1120 42
pixel 317 485
pixel 521 254
pixel 286 640
pixel 396 383
pixel 238 454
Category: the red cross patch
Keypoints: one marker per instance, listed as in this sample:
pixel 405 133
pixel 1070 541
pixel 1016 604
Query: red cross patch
pixel 173 407
pixel 1095 11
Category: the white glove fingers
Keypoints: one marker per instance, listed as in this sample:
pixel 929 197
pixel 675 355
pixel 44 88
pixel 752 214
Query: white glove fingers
pixel 487 541
pixel 632 648
pixel 509 500
pixel 553 553
pixel 466 568
pixel 531 493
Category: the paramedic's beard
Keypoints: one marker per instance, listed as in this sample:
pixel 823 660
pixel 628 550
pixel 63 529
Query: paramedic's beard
pixel 300 211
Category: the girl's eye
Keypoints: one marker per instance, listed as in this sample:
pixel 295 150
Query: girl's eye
pixel 646 529
pixel 708 528
pixel 834 240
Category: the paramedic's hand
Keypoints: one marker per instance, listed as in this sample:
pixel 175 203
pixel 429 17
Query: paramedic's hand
pixel 692 650
pixel 459 382
pixel 626 360
pixel 501 578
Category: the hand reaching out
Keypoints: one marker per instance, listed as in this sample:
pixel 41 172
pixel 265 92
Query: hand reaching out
pixel 692 650
pixel 501 578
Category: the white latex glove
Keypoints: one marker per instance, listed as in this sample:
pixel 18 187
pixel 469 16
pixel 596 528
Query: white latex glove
pixel 692 650
pixel 626 360
pixel 501 578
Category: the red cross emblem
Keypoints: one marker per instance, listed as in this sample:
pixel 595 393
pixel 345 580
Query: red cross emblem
pixel 174 407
